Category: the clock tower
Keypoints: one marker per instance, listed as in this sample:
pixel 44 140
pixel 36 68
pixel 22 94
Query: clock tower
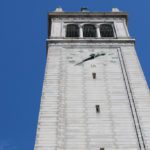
pixel 94 96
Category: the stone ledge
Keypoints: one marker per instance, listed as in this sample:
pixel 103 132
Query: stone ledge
pixel 95 40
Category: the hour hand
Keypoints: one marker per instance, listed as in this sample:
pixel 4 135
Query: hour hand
pixel 92 56
pixel 98 54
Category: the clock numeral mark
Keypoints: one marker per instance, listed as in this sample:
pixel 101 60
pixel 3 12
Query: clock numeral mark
pixel 93 66
pixel 94 75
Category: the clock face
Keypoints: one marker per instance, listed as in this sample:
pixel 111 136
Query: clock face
pixel 92 58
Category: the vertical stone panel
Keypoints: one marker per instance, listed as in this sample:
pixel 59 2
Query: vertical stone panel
pixel 120 30
pixel 48 116
pixel 56 29
pixel 140 91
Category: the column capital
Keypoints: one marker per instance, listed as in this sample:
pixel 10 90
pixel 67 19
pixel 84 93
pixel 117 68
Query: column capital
pixel 81 25
pixel 65 25
pixel 97 25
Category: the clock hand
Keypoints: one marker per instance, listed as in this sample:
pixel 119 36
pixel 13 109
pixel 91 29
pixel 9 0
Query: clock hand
pixel 92 56
pixel 97 55
pixel 79 63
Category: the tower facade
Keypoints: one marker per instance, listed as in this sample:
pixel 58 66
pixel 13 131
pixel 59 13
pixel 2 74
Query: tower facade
pixel 95 96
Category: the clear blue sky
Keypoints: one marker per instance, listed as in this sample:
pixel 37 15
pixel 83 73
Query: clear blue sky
pixel 23 30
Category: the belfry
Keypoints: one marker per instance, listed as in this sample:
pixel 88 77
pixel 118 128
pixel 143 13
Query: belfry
pixel 95 96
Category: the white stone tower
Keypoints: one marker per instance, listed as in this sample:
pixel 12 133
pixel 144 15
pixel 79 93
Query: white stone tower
pixel 94 96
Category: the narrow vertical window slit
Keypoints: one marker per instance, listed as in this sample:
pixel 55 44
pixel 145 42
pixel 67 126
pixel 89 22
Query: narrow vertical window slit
pixel 94 75
pixel 97 108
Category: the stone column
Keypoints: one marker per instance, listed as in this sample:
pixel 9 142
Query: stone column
pixel 98 31
pixel 81 31
pixel 64 29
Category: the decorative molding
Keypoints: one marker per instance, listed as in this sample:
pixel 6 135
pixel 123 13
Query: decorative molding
pixel 89 15
pixel 89 41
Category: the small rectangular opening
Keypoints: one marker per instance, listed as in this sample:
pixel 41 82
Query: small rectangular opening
pixel 94 75
pixel 97 108
pixel 102 148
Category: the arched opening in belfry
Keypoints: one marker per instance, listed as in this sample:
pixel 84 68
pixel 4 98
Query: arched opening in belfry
pixel 89 30
pixel 106 30
pixel 72 30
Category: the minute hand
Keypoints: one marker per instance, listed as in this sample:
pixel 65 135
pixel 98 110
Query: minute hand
pixel 92 56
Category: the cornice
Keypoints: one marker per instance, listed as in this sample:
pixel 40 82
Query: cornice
pixel 89 14
pixel 58 40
